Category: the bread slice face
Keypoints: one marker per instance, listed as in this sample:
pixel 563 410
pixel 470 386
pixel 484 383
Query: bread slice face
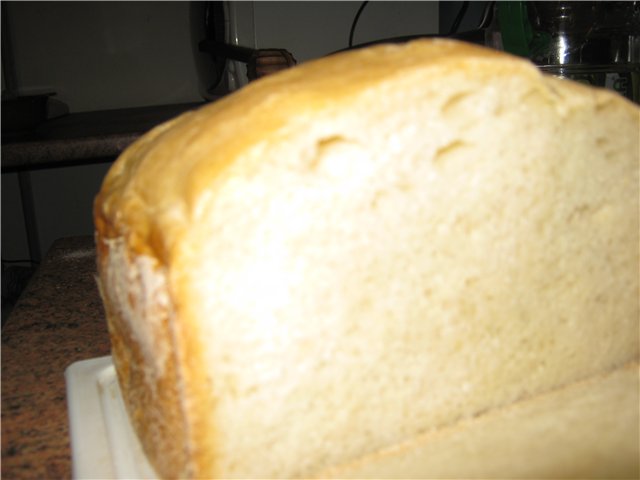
pixel 362 249
pixel 588 429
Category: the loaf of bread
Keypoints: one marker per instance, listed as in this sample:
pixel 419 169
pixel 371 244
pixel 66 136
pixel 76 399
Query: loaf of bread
pixel 382 262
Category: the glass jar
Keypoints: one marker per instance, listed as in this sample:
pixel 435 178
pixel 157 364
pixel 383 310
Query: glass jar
pixel 594 42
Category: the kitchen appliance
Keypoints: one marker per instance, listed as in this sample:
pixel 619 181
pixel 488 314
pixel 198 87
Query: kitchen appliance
pixel 227 37
pixel 592 42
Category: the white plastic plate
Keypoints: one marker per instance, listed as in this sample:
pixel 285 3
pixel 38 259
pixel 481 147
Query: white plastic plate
pixel 103 444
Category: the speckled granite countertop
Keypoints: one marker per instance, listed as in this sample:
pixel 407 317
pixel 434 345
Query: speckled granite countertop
pixel 58 320
pixel 84 137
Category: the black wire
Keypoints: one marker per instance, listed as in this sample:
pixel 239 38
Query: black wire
pixel 456 22
pixel 487 15
pixel 355 22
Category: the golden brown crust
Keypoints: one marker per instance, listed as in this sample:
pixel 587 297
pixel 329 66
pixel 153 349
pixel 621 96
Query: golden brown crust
pixel 152 398
pixel 153 205
pixel 163 194
pixel 157 360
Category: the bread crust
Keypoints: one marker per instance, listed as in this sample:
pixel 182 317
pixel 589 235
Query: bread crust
pixel 153 196
pixel 152 388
